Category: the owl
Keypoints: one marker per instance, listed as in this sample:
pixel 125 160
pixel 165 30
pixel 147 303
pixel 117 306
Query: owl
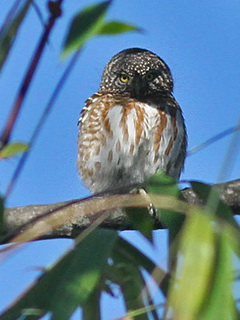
pixel 132 126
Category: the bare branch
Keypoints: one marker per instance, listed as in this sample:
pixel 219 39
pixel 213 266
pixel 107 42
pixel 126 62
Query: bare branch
pixel 230 195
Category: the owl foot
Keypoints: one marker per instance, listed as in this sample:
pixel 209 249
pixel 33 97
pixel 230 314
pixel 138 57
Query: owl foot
pixel 151 209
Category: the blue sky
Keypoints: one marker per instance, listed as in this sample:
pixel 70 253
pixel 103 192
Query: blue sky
pixel 199 40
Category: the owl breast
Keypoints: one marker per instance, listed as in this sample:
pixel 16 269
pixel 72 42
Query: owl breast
pixel 123 142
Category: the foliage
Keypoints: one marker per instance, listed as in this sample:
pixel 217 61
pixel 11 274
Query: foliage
pixel 12 149
pixel 90 22
pixel 9 30
pixel 203 241
pixel 198 285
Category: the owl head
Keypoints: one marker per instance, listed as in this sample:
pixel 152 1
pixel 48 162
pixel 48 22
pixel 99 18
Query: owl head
pixel 137 73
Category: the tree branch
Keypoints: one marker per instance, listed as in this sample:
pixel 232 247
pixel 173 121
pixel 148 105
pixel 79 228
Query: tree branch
pixel 78 214
pixel 230 195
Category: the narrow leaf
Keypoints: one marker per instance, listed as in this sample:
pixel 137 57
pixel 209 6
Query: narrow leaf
pixel 220 303
pixel 165 185
pixel 70 282
pixel 143 262
pixel 195 267
pixel 91 307
pixel 84 25
pixel 116 27
pixel 12 149
pixel 133 314
pixel 141 220
pixel 129 278
pixel 9 31
pixel 162 184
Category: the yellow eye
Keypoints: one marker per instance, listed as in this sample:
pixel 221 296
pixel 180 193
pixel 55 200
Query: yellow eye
pixel 124 78
pixel 149 76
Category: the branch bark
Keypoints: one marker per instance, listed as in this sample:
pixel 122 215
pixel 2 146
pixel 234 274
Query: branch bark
pixel 78 214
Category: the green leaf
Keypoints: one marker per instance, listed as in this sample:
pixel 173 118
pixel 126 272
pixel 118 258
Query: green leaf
pixel 141 220
pixel 164 185
pixel 220 303
pixel 91 307
pixel 31 314
pixel 126 270
pixel 202 189
pixel 139 259
pixel 86 24
pixel 12 149
pixel 160 183
pixel 210 195
pixel 71 281
pixel 116 27
pixel 133 285
pixel 9 31
pixel 129 278
pixel 195 267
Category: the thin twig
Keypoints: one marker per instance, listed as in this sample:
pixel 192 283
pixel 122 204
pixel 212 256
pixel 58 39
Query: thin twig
pixel 226 167
pixel 41 122
pixel 231 154
pixel 38 13
pixel 55 12
pixel 212 140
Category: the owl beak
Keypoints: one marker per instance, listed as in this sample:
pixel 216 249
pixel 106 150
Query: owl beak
pixel 138 87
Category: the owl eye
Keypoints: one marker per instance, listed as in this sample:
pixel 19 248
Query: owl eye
pixel 124 78
pixel 149 76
